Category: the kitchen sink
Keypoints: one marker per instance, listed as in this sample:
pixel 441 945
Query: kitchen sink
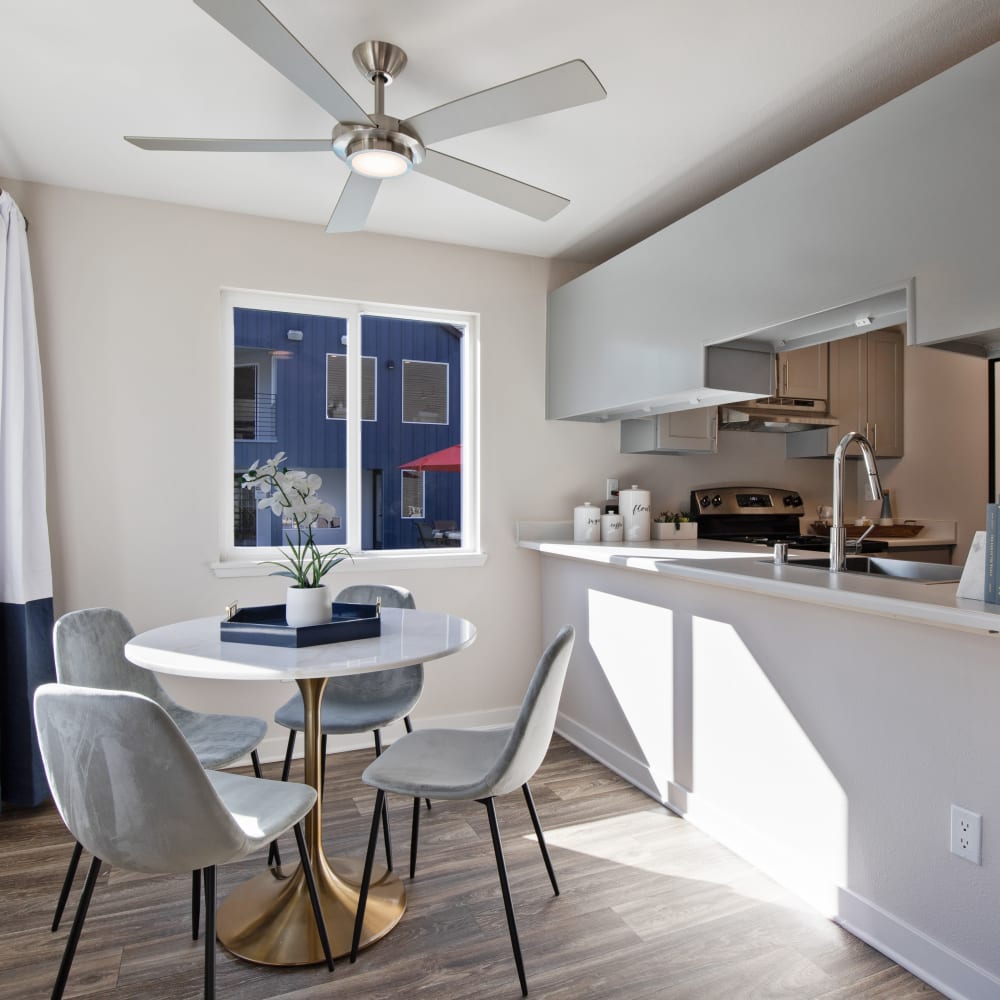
pixel 900 569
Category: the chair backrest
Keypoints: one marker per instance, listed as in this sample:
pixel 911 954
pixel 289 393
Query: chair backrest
pixel 405 683
pixel 426 535
pixel 126 783
pixel 529 739
pixel 89 652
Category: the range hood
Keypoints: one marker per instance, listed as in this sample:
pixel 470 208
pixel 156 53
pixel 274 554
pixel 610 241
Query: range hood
pixel 776 415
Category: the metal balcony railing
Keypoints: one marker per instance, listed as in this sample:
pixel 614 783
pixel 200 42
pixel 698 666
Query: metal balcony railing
pixel 255 419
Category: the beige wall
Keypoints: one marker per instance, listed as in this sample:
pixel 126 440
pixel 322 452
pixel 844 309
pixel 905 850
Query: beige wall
pixel 127 296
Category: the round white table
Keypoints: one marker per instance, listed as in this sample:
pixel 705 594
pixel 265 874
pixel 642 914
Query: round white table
pixel 269 919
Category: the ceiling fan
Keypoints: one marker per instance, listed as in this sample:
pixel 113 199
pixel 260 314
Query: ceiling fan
pixel 376 146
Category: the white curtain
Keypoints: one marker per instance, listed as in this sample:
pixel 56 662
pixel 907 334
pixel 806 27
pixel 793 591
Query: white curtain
pixel 25 565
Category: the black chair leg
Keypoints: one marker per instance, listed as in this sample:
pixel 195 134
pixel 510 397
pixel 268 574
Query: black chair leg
pixel 385 810
pixel 505 889
pixel 273 857
pixel 75 931
pixel 195 902
pixel 413 838
pixel 409 729
pixel 210 933
pixel 366 878
pixel 540 836
pixel 289 750
pixel 313 895
pixel 272 851
pixel 74 861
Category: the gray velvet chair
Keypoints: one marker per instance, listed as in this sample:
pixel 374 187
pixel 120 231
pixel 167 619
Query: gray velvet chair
pixel 364 702
pixel 89 652
pixel 474 764
pixel 132 791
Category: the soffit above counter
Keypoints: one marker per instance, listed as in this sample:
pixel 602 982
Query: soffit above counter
pixel 899 201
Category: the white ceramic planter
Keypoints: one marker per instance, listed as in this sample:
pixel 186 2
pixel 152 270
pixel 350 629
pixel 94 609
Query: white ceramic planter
pixel 307 606
pixel 670 532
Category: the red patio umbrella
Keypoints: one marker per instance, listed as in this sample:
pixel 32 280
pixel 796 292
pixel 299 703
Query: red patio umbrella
pixel 446 460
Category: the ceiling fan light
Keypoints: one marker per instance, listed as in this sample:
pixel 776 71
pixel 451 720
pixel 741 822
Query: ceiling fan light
pixel 379 157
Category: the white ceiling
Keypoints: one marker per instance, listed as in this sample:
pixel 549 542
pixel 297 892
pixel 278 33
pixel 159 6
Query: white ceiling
pixel 701 96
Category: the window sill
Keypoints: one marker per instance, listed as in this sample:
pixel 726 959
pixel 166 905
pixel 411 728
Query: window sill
pixel 364 562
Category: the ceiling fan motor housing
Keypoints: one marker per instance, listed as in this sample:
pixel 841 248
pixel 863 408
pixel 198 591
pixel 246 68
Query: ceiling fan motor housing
pixel 387 134
pixel 379 63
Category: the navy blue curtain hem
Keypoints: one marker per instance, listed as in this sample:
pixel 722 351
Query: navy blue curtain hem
pixel 27 662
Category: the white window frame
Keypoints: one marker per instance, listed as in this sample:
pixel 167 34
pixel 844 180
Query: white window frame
pixel 245 561
pixel 369 357
pixel 447 393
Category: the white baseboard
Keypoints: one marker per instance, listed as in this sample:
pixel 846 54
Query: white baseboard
pixel 633 770
pixel 948 972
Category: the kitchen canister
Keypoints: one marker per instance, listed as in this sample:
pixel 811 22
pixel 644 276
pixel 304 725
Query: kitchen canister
pixel 587 523
pixel 634 507
pixel 612 528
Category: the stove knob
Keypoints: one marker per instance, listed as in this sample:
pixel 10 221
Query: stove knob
pixel 716 500
pixel 703 500
pixel 790 500
pixel 796 500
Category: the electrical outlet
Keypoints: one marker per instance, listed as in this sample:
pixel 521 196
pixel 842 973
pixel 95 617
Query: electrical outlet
pixel 967 834
pixel 611 489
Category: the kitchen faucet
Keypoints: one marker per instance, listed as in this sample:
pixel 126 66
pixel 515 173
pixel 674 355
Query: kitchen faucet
pixel 838 531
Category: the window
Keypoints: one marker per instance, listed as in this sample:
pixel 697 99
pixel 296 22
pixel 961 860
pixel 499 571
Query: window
pixel 336 387
pixel 376 401
pixel 412 491
pixel 425 392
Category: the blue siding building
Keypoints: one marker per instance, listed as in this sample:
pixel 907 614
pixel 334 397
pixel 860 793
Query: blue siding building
pixel 289 381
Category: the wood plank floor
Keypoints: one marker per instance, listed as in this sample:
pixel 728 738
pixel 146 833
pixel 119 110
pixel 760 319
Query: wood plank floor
pixel 650 907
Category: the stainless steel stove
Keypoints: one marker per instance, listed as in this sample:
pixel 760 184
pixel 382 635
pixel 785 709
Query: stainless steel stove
pixel 759 514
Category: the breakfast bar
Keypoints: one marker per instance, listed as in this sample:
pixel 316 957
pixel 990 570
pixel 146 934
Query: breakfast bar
pixel 817 724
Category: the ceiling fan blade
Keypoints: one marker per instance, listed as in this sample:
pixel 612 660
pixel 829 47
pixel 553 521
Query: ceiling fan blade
pixel 354 204
pixel 496 187
pixel 232 145
pixel 254 25
pixel 551 89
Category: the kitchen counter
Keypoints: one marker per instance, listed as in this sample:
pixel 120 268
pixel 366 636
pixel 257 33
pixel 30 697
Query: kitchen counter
pixel 739 566
pixel 819 725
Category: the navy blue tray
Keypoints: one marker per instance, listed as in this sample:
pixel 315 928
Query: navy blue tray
pixel 266 626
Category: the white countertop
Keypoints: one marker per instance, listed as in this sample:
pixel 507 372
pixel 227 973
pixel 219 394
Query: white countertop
pixel 749 567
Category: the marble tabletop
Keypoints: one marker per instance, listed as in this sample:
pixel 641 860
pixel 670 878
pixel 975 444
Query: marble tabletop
pixel 194 648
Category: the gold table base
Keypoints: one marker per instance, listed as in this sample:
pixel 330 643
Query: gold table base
pixel 269 920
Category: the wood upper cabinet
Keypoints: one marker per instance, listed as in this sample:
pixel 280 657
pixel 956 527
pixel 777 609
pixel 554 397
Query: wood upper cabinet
pixel 866 395
pixel 885 392
pixel 683 432
pixel 803 373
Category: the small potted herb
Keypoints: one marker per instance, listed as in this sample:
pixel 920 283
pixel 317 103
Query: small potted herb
pixel 673 526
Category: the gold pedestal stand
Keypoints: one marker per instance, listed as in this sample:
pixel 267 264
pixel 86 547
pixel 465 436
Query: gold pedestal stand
pixel 269 920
